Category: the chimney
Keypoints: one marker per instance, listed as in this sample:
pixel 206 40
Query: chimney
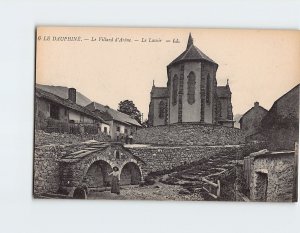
pixel 72 95
pixel 256 104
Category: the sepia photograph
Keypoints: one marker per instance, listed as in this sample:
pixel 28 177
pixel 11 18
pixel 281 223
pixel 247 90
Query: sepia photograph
pixel 182 114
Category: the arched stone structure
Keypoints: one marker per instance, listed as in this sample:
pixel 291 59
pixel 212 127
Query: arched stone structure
pixel 130 174
pixel 97 175
pixel 90 167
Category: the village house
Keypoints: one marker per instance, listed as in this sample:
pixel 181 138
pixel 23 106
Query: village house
pixel 271 176
pixel 192 94
pixel 120 125
pixel 64 115
pixel 250 122
pixel 281 124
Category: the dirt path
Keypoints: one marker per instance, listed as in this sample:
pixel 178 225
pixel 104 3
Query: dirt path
pixel 158 191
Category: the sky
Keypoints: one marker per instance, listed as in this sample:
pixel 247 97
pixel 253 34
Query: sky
pixel 109 65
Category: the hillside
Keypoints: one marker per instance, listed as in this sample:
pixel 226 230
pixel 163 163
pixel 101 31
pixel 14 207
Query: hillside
pixel 63 93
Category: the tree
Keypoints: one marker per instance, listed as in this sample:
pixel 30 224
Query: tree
pixel 129 108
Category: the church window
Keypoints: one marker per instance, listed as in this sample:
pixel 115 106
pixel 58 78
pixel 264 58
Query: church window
pixel 161 113
pixel 191 87
pixel 175 90
pixel 208 89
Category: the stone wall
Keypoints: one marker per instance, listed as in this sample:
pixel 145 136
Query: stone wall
pixel 190 134
pixel 163 158
pixel 272 176
pixel 43 138
pixel 46 170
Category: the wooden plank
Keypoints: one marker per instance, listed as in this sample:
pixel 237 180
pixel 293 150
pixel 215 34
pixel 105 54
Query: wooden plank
pixel 209 182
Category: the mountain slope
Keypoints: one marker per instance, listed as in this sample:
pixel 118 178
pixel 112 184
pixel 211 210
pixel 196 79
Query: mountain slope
pixel 63 93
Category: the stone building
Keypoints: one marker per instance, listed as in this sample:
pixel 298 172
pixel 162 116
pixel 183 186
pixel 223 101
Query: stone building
pixel 250 122
pixel 53 111
pixel 120 124
pixel 271 176
pixel 191 94
pixel 281 124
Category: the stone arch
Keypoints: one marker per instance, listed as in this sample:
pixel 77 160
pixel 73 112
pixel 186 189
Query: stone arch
pixel 96 175
pixel 130 174
pixel 80 193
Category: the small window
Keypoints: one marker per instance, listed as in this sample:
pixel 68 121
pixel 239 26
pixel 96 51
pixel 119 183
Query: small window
pixel 126 131
pixel 175 90
pixel 161 113
pixel 118 128
pixel 54 111
pixel 191 87
pixel 105 130
pixel 117 154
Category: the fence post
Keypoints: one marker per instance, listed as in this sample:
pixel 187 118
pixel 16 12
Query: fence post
pixel 219 188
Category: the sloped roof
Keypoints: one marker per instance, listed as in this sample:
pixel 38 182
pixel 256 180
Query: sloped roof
pixel 192 53
pixel 223 91
pixel 65 102
pixel 246 113
pixel 159 92
pixel 116 115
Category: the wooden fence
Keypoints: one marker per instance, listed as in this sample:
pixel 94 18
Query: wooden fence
pixel 212 189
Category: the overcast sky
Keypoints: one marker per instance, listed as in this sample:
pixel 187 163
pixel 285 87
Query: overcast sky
pixel 260 65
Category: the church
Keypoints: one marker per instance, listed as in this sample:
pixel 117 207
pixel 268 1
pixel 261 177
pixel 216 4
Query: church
pixel 192 94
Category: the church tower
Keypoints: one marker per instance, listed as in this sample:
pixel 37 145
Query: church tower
pixel 192 87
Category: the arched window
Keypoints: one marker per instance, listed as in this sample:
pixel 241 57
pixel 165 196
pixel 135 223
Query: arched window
pixel 191 87
pixel 208 89
pixel 175 89
pixel 161 113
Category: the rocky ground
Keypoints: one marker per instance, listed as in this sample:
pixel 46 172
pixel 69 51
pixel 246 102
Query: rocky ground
pixel 183 185
pixel 158 191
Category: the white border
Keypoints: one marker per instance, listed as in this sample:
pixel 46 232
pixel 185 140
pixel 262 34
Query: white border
pixel 19 213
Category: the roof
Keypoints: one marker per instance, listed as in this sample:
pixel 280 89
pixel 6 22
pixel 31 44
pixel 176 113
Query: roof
pixel 266 152
pixel 260 107
pixel 114 114
pixel 192 53
pixel 65 102
pixel 159 92
pixel 223 91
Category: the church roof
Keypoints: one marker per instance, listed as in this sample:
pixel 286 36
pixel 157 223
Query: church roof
pixel 159 92
pixel 223 91
pixel 192 53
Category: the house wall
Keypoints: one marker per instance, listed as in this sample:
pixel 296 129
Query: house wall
pixel 43 106
pixel 281 124
pixel 103 125
pixel 279 170
pixel 113 129
pixel 251 121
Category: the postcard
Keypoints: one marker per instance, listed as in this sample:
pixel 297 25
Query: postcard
pixel 181 114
